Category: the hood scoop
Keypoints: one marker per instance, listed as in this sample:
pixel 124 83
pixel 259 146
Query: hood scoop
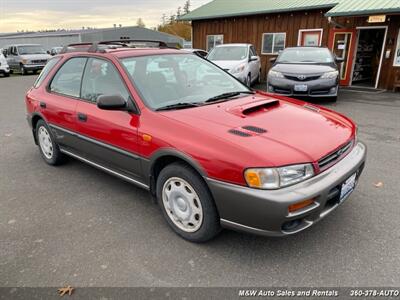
pixel 253 108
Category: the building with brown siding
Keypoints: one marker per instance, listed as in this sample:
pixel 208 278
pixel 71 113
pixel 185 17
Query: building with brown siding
pixel 364 33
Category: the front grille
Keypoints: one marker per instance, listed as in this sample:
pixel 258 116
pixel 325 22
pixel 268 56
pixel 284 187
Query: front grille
pixel 305 78
pixel 334 156
pixel 39 61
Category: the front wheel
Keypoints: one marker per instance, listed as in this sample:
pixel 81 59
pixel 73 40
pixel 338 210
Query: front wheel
pixel 47 146
pixel 187 204
pixel 22 70
pixel 248 80
pixel 6 74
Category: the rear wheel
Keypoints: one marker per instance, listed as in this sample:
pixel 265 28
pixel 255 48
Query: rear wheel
pixel 48 148
pixel 187 204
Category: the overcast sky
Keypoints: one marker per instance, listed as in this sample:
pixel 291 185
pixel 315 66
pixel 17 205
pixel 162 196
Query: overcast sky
pixel 73 14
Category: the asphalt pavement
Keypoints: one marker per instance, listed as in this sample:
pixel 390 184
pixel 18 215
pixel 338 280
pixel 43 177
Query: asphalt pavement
pixel 76 225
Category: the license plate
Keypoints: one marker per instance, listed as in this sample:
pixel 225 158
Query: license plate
pixel 348 187
pixel 300 87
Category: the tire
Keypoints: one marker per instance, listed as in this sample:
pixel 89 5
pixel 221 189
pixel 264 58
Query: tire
pixel 47 146
pixel 6 74
pixel 190 203
pixel 248 80
pixel 22 70
pixel 259 77
pixel 333 99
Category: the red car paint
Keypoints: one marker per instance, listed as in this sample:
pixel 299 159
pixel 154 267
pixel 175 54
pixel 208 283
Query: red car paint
pixel 295 134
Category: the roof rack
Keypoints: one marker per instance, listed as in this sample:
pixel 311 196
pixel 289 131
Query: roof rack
pixel 114 44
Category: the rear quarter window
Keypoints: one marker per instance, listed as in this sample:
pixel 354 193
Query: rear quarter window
pixel 46 70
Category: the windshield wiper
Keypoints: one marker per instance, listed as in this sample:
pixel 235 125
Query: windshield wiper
pixel 227 96
pixel 179 105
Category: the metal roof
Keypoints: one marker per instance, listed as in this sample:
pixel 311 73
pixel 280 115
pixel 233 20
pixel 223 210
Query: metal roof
pixel 231 8
pixel 364 7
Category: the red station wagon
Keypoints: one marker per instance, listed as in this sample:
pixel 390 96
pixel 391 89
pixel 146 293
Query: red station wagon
pixel 213 152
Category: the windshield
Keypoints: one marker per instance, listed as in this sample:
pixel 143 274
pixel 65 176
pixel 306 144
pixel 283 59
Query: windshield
pixel 228 53
pixel 304 55
pixel 164 80
pixel 23 50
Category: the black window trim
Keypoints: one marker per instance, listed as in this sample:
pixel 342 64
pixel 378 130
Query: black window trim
pixel 136 109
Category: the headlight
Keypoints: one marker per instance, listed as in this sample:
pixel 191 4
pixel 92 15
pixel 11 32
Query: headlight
pixel 275 74
pixel 275 178
pixel 330 75
pixel 238 69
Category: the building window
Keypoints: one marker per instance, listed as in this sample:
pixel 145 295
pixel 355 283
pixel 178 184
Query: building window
pixel 214 40
pixel 272 43
pixel 310 37
pixel 397 53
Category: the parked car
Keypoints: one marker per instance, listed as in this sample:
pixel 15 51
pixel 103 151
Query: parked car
pixel 305 71
pixel 210 150
pixel 24 58
pixel 55 50
pixel 4 68
pixel 199 52
pixel 240 60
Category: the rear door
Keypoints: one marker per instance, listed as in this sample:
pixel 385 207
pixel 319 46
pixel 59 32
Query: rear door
pixel 109 138
pixel 58 104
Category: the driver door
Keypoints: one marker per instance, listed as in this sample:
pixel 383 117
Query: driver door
pixel 109 138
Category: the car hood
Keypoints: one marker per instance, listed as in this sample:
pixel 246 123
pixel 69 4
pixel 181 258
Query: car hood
pixel 286 132
pixel 228 64
pixel 36 56
pixel 303 68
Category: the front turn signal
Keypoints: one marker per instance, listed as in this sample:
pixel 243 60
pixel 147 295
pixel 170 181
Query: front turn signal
pixel 300 205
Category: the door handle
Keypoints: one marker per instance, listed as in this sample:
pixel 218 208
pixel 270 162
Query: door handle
pixel 42 104
pixel 82 117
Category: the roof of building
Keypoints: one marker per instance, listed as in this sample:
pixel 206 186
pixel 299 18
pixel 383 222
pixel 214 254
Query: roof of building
pixel 74 32
pixel 231 8
pixel 364 7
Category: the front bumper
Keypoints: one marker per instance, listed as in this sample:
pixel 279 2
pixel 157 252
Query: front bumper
pixel 4 69
pixel 315 88
pixel 34 67
pixel 266 212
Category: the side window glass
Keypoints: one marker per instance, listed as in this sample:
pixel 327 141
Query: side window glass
pixel 67 80
pixel 102 78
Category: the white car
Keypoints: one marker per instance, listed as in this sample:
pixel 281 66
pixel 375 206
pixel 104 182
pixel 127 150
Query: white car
pixel 240 60
pixel 4 68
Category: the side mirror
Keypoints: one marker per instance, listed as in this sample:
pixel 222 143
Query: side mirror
pixel 48 52
pixel 5 53
pixel 272 60
pixel 112 102
pixel 253 58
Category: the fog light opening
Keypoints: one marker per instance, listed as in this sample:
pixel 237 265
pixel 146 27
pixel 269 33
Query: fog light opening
pixel 291 225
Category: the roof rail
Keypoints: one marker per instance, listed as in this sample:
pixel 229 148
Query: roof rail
pixel 103 45
pixel 75 47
